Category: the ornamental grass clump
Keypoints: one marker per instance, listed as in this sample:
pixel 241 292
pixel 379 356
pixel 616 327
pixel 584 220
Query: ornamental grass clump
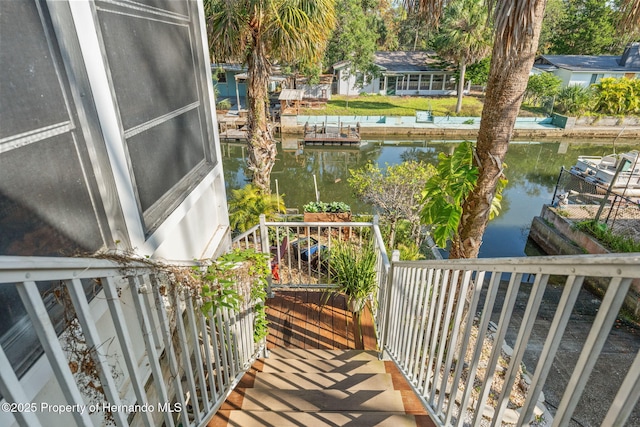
pixel 353 269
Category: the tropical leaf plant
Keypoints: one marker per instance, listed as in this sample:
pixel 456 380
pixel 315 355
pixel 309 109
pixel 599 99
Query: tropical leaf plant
pixel 248 203
pixel 445 192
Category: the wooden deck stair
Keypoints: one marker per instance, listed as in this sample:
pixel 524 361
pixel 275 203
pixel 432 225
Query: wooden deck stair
pixel 298 387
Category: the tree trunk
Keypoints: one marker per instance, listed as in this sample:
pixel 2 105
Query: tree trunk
pixel 463 69
pixel 507 82
pixel 262 149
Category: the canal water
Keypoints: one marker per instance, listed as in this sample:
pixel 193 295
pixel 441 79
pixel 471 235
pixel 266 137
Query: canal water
pixel 532 171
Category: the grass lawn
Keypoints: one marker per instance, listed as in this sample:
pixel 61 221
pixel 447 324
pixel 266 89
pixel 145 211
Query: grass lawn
pixel 376 105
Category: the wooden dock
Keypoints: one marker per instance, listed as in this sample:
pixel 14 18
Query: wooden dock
pixel 330 134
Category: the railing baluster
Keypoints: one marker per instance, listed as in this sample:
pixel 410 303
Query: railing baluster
pixel 415 316
pixel 49 340
pixel 216 342
pixel 487 309
pixel 12 392
pixel 567 301
pixel 427 278
pixel 185 359
pixel 225 341
pixel 611 303
pixel 444 335
pixel 503 324
pixel 150 345
pixel 122 332
pixel 197 355
pixel 528 320
pixel 459 294
pixel 166 332
pixel 477 284
pixel 626 398
pixel 426 346
pixel 430 380
pixel 206 345
pixel 90 333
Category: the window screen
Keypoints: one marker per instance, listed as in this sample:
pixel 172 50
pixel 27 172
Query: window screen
pixel 152 58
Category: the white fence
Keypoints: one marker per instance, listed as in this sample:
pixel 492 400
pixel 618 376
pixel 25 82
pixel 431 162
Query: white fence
pixel 451 325
pixel 141 352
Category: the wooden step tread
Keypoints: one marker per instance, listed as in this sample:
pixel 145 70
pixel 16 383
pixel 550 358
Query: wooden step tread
pixel 298 353
pixel 320 419
pixel 320 381
pixel 329 366
pixel 322 400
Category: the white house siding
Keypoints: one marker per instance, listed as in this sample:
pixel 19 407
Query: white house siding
pixel 401 85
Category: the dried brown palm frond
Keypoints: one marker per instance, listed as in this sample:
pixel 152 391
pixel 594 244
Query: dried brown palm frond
pixel 631 15
pixel 430 10
pixel 514 22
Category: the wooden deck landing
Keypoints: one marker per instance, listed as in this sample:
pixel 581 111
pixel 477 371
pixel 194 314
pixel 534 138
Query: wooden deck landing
pixel 316 320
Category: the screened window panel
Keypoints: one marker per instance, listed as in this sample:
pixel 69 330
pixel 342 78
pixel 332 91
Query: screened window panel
pixel 28 100
pixel 44 200
pixel 173 149
pixel 45 206
pixel 152 57
pixel 151 66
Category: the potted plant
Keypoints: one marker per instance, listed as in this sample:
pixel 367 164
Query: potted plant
pixel 327 212
pixel 353 269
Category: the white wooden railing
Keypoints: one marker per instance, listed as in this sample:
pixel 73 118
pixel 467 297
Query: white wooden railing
pixel 437 310
pixel 156 358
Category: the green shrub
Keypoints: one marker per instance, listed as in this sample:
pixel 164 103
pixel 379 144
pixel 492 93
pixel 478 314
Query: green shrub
pixel 617 96
pixel 541 86
pixel 574 100
pixel 332 207
pixel 248 203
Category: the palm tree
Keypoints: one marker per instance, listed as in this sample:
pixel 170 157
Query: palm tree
pixel 257 32
pixel 464 37
pixel 517 26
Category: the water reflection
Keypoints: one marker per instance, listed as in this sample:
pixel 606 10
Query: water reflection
pixel 532 170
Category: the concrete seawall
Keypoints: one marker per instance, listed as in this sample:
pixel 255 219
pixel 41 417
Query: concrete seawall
pixel 556 236
pixel 465 127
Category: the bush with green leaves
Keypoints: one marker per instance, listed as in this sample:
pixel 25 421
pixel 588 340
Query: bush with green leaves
pixel 221 281
pixel 394 192
pixel 353 269
pixel 332 207
pixel 541 86
pixel 574 100
pixel 248 203
pixel 617 96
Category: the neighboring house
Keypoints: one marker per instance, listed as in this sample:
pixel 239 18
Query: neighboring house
pixel 400 73
pixel 230 81
pixel 108 140
pixel 583 70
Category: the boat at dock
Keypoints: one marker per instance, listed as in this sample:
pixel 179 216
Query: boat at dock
pixel 620 172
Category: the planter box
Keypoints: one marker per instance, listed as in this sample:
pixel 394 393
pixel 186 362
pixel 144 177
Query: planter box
pixel 327 217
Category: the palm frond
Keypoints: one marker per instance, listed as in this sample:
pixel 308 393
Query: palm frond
pixel 514 22
pixel 631 16
pixel 430 10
